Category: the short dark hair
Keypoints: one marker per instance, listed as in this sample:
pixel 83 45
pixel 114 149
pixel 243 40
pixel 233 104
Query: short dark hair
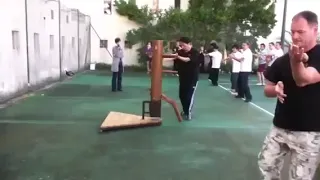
pixel 236 46
pixel 117 40
pixel 271 43
pixel 278 42
pixel 247 43
pixel 214 45
pixel 262 44
pixel 309 16
pixel 185 40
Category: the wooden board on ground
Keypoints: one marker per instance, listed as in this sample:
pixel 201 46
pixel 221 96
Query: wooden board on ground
pixel 118 120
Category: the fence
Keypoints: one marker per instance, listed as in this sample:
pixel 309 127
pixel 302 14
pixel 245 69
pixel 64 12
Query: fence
pixel 40 39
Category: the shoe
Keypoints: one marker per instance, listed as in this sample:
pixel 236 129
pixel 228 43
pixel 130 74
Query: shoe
pixel 248 100
pixel 184 115
pixel 188 117
pixel 234 93
pixel 238 97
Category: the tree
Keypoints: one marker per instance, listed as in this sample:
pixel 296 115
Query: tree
pixel 226 22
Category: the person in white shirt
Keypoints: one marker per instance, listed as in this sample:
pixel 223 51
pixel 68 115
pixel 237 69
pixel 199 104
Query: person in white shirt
pixel 235 57
pixel 216 58
pixel 245 71
pixel 279 51
pixel 262 56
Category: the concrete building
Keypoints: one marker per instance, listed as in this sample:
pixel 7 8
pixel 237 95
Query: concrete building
pixel 42 38
pixel 39 41
pixel 109 26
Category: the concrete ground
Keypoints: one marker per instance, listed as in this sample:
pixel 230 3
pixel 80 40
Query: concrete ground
pixel 54 134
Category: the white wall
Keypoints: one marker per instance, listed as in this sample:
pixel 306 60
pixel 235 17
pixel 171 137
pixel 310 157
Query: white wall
pixel 109 27
pixel 13 64
pixel 43 60
pixel 43 44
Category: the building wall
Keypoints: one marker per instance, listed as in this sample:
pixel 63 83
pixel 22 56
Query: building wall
pixel 30 57
pixel 13 66
pixel 108 27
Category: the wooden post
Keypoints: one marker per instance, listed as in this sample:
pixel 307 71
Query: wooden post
pixel 156 78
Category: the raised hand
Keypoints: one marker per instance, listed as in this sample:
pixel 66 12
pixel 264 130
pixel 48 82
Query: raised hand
pixel 297 54
pixel 279 88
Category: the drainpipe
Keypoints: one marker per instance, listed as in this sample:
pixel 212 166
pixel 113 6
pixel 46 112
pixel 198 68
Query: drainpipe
pixel 27 40
pixel 78 36
pixel 284 18
pixel 60 48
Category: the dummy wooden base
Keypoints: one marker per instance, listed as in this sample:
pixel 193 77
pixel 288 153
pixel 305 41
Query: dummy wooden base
pixel 118 120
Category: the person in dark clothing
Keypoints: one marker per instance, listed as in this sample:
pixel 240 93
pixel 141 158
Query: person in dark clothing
pixel 188 63
pixel 148 54
pixel 174 51
pixel 201 60
pixel 294 79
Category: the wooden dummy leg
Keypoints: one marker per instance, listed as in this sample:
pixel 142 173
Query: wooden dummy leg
pixel 174 106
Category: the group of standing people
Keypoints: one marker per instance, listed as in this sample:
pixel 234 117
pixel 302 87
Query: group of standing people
pixel 293 78
pixel 266 58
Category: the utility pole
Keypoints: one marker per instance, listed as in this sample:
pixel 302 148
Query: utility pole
pixel 284 18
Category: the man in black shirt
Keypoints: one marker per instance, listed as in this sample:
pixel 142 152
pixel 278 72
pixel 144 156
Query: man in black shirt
pixel 188 63
pixel 295 79
pixel 174 51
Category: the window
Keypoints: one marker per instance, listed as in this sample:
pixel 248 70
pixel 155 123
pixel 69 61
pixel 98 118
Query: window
pixel 103 43
pixel 52 14
pixel 107 7
pixel 15 40
pixel 36 43
pixel 51 42
pixel 177 4
pixel 73 42
pixel 63 43
pixel 67 19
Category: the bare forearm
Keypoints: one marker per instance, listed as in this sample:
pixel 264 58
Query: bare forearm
pixel 299 73
pixel 185 59
pixel 270 91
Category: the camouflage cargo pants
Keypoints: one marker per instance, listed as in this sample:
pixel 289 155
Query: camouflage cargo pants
pixel 304 148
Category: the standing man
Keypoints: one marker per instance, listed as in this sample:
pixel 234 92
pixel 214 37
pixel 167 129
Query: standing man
pixel 245 71
pixel 271 54
pixel 235 57
pixel 202 60
pixel 188 63
pixel 279 51
pixel 216 58
pixel 148 54
pixel 175 63
pixel 262 55
pixel 117 66
pixel 296 83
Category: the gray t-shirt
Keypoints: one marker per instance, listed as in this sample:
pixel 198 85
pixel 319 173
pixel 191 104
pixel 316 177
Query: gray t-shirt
pixel 262 56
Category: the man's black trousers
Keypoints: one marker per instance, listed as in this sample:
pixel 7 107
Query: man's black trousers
pixel 243 85
pixel 214 76
pixel 187 90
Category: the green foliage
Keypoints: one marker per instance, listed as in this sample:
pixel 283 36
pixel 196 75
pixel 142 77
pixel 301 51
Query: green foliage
pixel 142 16
pixel 227 22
